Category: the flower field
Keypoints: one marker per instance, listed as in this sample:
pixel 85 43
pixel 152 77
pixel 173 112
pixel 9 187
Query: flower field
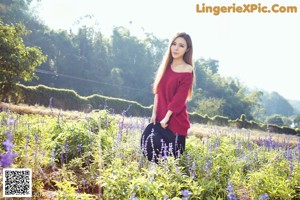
pixel 97 155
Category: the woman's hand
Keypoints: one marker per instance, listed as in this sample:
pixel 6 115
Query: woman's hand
pixel 153 119
pixel 164 122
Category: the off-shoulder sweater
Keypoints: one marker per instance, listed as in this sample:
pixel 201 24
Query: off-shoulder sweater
pixel 172 93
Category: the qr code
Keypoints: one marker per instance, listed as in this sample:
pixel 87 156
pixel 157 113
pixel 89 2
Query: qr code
pixel 17 182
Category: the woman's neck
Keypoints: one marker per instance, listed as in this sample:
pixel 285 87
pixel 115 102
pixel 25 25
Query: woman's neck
pixel 177 62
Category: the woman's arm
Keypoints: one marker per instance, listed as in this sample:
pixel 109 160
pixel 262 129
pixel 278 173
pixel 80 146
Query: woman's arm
pixel 153 117
pixel 179 99
pixel 164 121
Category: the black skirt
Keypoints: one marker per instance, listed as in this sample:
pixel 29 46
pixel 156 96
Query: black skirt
pixel 158 142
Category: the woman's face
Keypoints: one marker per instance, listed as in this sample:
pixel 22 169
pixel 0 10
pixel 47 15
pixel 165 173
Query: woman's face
pixel 178 48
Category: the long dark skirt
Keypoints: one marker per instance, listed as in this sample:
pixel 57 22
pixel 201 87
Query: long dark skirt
pixel 157 142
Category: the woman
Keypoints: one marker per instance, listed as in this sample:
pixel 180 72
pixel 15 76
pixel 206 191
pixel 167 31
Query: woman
pixel 172 87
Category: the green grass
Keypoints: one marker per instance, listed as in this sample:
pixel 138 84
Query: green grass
pixel 97 155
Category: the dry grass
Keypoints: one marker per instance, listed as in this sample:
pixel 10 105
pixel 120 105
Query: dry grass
pixel 40 110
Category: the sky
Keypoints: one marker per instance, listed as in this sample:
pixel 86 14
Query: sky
pixel 260 49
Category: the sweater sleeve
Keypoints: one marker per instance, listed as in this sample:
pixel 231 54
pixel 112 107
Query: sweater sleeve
pixel 179 100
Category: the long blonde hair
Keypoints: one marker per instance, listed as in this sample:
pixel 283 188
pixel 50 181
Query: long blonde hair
pixel 168 59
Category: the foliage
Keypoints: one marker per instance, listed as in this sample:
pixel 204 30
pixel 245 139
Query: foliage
pixel 73 158
pixel 297 121
pixel 122 65
pixel 275 119
pixel 209 106
pixel 220 120
pixel 70 100
pixel 220 95
pixel 17 61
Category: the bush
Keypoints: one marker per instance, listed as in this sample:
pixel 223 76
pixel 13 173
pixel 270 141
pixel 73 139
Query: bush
pixel 220 120
pixel 274 128
pixel 275 119
pixel 69 100
pixel 240 124
pixel 257 126
pixel 196 118
pixel 288 130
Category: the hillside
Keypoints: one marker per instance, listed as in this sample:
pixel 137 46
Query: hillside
pixel 296 105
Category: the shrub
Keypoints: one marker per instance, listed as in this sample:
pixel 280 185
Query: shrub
pixel 70 100
pixel 274 128
pixel 288 130
pixel 196 118
pixel 220 120
pixel 256 125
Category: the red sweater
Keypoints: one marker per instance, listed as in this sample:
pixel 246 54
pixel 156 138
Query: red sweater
pixel 172 94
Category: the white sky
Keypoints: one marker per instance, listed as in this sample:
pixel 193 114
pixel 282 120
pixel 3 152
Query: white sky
pixel 262 50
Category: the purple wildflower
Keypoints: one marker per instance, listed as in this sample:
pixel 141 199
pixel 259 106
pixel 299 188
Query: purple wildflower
pixel 11 121
pixel 165 151
pixel 290 156
pixel 133 197
pixel 79 147
pixel 8 134
pixel 260 142
pixel 160 154
pixel 171 149
pixel 84 182
pixel 188 157
pixel 230 195
pixel 36 138
pixel 67 147
pixel 291 167
pixel 263 196
pixel 193 170
pixel 185 194
pixel 7 159
pixel 8 145
pixel 208 164
pixel 217 143
pixel 250 146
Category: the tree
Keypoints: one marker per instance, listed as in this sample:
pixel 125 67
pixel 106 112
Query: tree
pixel 17 61
pixel 297 121
pixel 210 106
pixel 275 119
pixel 137 60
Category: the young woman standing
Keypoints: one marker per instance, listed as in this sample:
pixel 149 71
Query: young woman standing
pixel 172 88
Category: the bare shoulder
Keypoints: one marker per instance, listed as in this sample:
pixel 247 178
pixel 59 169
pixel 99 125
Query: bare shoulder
pixel 183 68
pixel 187 68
